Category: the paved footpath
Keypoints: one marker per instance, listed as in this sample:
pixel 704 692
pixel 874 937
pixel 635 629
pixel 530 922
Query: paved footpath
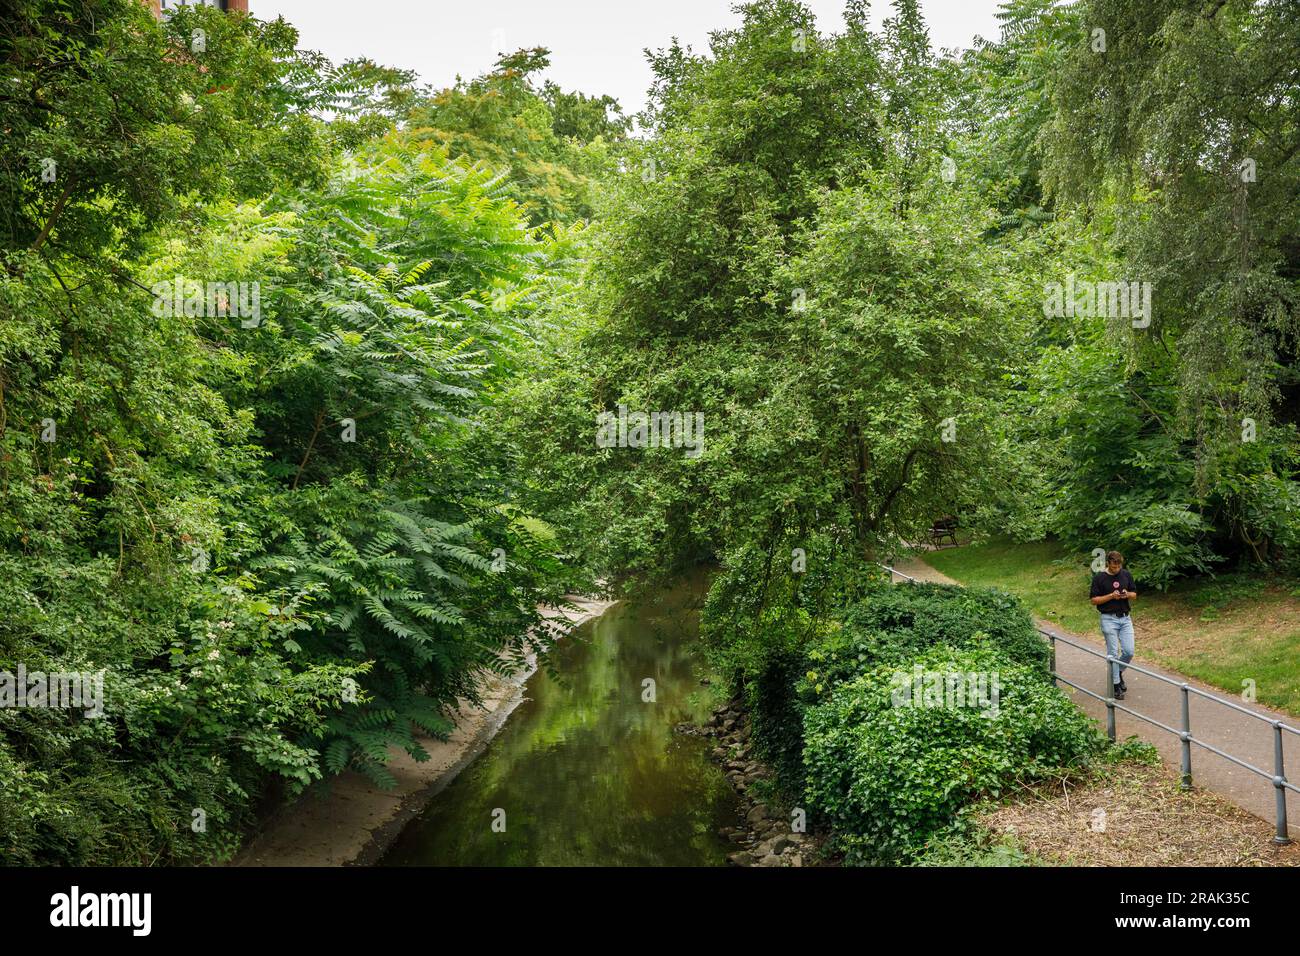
pixel 1246 738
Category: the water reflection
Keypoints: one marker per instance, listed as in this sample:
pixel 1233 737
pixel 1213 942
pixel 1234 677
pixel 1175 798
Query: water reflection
pixel 586 771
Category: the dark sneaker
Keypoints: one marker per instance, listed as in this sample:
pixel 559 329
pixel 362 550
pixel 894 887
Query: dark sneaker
pixel 1119 692
pixel 1123 686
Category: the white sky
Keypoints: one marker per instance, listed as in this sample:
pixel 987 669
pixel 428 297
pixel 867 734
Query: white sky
pixel 595 44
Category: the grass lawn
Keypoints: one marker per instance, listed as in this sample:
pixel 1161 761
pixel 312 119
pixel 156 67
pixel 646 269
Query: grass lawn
pixel 1223 631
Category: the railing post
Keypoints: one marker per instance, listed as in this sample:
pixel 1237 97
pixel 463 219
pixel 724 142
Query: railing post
pixel 1279 778
pixel 1051 666
pixel 1110 703
pixel 1187 740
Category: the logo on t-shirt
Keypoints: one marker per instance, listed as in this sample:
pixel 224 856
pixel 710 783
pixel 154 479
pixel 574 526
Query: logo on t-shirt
pixel 1115 585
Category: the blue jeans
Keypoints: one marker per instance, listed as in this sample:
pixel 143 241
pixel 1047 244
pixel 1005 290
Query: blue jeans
pixel 1118 632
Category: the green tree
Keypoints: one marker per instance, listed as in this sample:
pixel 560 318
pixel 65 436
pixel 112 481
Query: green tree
pixel 1139 133
pixel 114 121
pixel 554 147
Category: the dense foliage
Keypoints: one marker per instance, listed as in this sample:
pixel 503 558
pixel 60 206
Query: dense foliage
pixel 1165 149
pixel 848 256
pixel 271 516
pixel 840 251
pixel 295 517
pixel 555 146
pixel 890 778
pixel 783 261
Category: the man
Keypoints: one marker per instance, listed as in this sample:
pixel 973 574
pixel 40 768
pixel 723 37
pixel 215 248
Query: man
pixel 1112 590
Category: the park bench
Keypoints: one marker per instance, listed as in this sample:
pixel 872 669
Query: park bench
pixel 945 527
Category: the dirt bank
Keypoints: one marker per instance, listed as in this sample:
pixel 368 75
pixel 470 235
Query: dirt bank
pixel 349 821
pixel 1135 814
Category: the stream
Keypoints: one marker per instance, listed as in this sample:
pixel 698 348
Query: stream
pixel 586 771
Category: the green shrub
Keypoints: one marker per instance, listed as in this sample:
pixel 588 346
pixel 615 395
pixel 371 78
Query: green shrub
pixel 271 601
pixel 978 848
pixel 888 778
pixel 893 624
pixel 776 717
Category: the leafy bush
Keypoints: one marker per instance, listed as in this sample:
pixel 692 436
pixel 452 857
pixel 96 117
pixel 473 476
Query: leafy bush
pixel 976 849
pixel 893 624
pixel 785 643
pixel 888 778
pixel 776 717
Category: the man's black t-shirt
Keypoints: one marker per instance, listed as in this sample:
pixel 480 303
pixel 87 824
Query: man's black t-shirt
pixel 1103 582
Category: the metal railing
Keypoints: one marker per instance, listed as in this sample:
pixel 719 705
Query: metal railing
pixel 1278 777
